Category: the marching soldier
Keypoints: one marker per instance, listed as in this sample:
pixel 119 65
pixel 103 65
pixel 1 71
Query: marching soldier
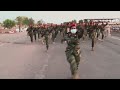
pixel 89 30
pixel 61 29
pixel 42 33
pixel 35 32
pixel 30 32
pixel 93 34
pixel 79 31
pixel 46 35
pixel 85 31
pixel 73 51
pixel 53 36
pixel 38 32
pixel 98 30
pixel 103 29
pixel 56 31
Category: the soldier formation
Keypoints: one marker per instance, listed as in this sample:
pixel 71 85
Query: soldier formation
pixel 72 33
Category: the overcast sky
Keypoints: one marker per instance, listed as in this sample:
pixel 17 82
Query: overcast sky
pixel 59 16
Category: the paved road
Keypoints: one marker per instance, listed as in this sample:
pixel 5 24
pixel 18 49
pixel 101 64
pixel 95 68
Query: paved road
pixel 115 34
pixel 24 60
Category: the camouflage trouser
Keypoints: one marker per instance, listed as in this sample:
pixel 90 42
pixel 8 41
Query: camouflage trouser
pixel 106 33
pixel 50 36
pixel 89 35
pixel 43 40
pixel 84 35
pixel 35 36
pixel 61 32
pixel 53 37
pixel 94 38
pixel 56 34
pixel 98 34
pixel 93 42
pixel 74 59
pixel 31 37
pixel 102 32
pixel 38 35
pixel 46 41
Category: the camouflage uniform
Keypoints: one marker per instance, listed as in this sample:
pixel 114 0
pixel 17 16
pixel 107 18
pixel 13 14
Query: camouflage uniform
pixel 98 31
pixel 93 36
pixel 42 32
pixel 73 52
pixel 85 32
pixel 79 32
pixel 30 33
pixel 38 32
pixel 89 31
pixel 63 31
pixel 46 38
pixel 102 31
pixel 35 32
pixel 56 31
pixel 53 35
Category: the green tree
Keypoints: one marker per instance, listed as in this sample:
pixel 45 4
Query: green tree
pixel 40 22
pixel 25 21
pixel 8 23
pixel 31 21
